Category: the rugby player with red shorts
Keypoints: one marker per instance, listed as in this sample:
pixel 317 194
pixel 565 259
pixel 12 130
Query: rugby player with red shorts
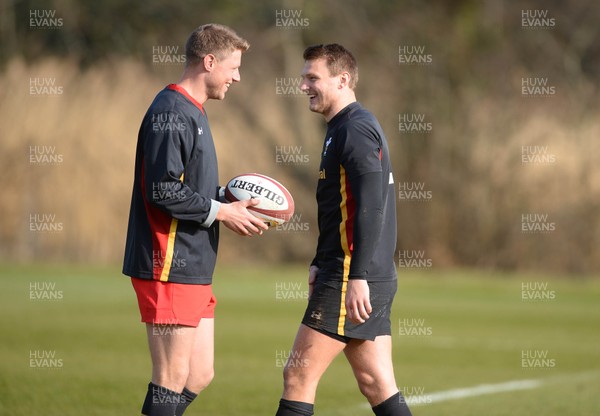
pixel 173 230
pixel 352 278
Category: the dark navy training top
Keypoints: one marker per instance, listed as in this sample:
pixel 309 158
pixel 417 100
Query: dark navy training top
pixel 172 233
pixel 356 202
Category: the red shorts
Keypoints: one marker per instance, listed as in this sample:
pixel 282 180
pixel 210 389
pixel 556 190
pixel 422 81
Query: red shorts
pixel 167 303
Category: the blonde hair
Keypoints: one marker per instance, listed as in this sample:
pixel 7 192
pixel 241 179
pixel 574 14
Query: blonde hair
pixel 215 39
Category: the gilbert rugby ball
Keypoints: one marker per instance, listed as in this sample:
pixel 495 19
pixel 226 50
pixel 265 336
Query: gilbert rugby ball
pixel 276 204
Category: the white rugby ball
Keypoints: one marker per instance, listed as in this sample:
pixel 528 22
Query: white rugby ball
pixel 276 205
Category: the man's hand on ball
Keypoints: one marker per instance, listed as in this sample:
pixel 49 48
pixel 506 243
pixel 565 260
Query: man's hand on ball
pixel 237 218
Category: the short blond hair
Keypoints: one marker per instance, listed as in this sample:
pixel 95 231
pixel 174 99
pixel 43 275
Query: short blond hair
pixel 215 39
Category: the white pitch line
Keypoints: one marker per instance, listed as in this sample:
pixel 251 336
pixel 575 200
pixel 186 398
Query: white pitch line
pixel 482 389
pixel 478 390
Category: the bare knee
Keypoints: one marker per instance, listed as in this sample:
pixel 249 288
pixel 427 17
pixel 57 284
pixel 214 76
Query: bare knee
pixel 173 377
pixel 375 389
pixel 366 384
pixel 292 378
pixel 199 381
pixel 297 379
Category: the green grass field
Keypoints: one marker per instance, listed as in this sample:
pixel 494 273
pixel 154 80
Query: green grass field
pixel 84 351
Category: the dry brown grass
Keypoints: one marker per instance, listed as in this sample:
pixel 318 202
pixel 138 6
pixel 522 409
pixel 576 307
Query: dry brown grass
pixel 481 188
pixel 92 126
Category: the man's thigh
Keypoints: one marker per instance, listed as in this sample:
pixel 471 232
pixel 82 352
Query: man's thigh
pixel 311 354
pixel 170 349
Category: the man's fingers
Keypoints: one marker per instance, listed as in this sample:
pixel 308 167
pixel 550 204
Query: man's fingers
pixel 361 313
pixel 312 278
pixel 250 224
pixel 256 222
pixel 353 315
pixel 243 231
pixel 250 202
pixel 246 230
pixel 253 230
pixel 260 224
pixel 368 307
pixel 358 313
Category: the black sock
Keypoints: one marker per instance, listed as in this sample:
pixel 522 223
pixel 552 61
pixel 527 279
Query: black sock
pixel 160 401
pixel 291 408
pixel 393 406
pixel 186 398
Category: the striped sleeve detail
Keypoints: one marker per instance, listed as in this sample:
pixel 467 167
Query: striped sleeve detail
pixel 163 228
pixel 164 277
pixel 166 266
pixel 346 232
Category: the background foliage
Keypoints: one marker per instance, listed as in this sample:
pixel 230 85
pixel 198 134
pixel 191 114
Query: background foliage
pixel 102 55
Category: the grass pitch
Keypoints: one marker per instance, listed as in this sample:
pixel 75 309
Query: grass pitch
pixel 72 344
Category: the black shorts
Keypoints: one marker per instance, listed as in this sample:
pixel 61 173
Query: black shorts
pixel 327 314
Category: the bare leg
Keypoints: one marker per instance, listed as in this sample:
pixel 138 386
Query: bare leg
pixel 310 356
pixel 202 358
pixel 371 363
pixel 170 350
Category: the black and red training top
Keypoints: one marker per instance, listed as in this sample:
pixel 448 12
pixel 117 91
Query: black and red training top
pixel 172 234
pixel 356 200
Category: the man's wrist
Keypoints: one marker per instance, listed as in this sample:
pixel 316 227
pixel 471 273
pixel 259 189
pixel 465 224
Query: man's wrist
pixel 212 215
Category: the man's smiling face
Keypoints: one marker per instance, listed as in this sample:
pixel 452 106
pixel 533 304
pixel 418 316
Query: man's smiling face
pixel 321 87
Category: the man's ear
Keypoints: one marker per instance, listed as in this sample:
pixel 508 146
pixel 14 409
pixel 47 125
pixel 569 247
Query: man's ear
pixel 209 62
pixel 344 80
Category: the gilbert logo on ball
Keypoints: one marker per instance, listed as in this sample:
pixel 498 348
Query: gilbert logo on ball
pixel 276 205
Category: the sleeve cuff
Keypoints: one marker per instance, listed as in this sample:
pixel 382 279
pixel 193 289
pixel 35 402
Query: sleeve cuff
pixel 222 194
pixel 212 214
pixel 357 276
